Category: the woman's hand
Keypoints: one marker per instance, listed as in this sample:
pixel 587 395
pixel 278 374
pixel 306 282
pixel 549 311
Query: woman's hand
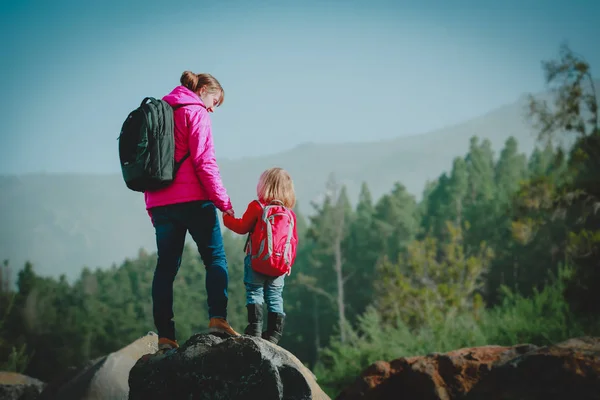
pixel 229 212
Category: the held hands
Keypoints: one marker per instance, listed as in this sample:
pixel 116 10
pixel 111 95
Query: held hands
pixel 229 212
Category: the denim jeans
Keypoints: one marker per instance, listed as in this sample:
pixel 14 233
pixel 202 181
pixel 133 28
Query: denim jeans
pixel 259 287
pixel 171 224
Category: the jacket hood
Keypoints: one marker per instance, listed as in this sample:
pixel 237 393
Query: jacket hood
pixel 182 95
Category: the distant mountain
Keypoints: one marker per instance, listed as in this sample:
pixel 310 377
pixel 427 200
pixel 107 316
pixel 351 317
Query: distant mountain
pixel 409 159
pixel 64 222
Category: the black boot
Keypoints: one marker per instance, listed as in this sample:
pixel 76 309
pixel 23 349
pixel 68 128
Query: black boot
pixel 255 320
pixel 274 327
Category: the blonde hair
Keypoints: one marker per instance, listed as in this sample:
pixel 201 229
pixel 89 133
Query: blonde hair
pixel 195 82
pixel 276 184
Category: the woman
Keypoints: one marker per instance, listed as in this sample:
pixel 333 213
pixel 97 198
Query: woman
pixel 190 203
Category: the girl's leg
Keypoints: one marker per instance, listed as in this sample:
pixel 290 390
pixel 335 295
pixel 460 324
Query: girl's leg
pixel 254 283
pixel 276 316
pixel 274 294
pixel 254 299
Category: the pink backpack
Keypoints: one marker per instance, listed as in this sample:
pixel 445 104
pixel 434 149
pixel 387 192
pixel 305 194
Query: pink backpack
pixel 273 241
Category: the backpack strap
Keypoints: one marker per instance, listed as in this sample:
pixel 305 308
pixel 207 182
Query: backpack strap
pixel 146 99
pixel 247 246
pixel 178 106
pixel 178 163
pixel 288 241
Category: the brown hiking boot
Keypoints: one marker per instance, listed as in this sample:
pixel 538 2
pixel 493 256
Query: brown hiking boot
pixel 221 325
pixel 165 345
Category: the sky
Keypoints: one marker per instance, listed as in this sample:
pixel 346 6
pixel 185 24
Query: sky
pixel 293 72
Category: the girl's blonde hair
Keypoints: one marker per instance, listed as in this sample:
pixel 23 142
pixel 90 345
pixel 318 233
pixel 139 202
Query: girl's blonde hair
pixel 276 184
pixel 195 82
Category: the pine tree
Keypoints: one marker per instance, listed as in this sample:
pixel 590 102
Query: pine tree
pixel 432 280
pixel 434 219
pixel 361 250
pixel 458 187
pixel 328 231
pixel 575 112
pixel 480 166
pixel 540 161
pixel 511 170
pixel 397 220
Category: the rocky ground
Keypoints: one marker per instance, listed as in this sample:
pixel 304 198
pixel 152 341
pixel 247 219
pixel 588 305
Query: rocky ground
pixel 568 370
pixel 213 367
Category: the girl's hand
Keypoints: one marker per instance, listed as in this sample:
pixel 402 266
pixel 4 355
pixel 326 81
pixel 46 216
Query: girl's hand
pixel 229 212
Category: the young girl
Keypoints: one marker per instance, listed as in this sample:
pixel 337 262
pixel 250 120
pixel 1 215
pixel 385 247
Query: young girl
pixel 270 250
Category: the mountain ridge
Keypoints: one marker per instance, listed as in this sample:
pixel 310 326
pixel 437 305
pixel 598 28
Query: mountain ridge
pixel 64 221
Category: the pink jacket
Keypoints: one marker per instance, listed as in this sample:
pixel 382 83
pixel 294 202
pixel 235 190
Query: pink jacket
pixel 198 178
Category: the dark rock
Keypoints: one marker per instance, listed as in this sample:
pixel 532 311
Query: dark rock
pixel 568 370
pixel 212 367
pixel 14 386
pixel 435 376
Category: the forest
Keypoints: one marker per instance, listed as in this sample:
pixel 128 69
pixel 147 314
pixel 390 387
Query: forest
pixel 501 249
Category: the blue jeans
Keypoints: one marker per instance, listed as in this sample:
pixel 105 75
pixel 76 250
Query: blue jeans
pixel 171 224
pixel 259 287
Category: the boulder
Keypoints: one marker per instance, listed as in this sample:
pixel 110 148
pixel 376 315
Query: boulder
pixel 567 370
pixel 103 378
pixel 14 386
pixel 432 377
pixel 211 366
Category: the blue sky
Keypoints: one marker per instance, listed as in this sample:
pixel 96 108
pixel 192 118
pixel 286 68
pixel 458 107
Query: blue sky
pixel 293 72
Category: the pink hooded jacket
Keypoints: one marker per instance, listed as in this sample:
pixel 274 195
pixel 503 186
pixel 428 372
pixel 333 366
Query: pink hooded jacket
pixel 198 178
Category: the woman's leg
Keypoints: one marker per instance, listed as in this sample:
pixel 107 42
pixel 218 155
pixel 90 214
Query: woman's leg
pixel 205 229
pixel 170 239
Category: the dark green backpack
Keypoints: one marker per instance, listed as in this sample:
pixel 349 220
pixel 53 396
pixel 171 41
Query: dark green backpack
pixel 147 146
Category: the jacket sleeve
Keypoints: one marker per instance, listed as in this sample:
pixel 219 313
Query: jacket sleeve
pixel 295 235
pixel 202 153
pixel 246 223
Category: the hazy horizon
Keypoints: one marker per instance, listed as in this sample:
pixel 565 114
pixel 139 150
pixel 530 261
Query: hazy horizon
pixel 313 73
